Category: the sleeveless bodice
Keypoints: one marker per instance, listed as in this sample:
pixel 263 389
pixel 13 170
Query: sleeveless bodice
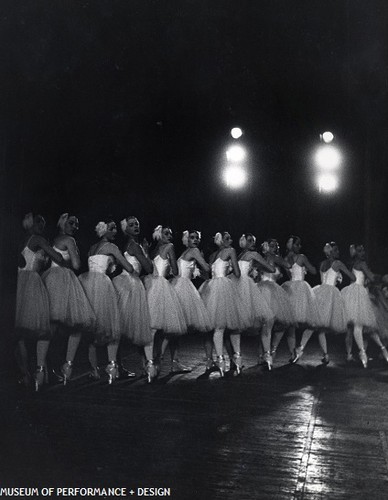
pixel 245 266
pixel 220 268
pixel 34 260
pixel 161 266
pixel 99 263
pixel 135 263
pixel 330 277
pixel 266 276
pixel 186 268
pixel 297 272
pixel 360 277
pixel 65 254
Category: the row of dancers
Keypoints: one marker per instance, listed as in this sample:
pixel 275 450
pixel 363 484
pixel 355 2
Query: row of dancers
pixel 155 292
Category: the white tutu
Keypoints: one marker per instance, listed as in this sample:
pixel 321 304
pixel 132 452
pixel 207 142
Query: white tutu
pixel 358 306
pixel 331 308
pixel 303 303
pixel 224 305
pixel 165 310
pixel 278 300
pixel 103 299
pixel 257 309
pixel 133 308
pixel 69 305
pixel 194 310
pixel 32 306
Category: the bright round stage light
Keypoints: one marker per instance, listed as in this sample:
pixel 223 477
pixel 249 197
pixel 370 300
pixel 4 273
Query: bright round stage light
pixel 235 177
pixel 235 154
pixel 327 137
pixel 236 132
pixel 328 157
pixel 327 183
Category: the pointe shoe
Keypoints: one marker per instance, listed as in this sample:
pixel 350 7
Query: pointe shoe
pixel 349 357
pixel 363 357
pixel 325 360
pixel 209 364
pixel 150 370
pixel 177 367
pixel 220 363
pixel 112 371
pixel 237 361
pixel 268 360
pixel 40 377
pixel 273 352
pixel 384 353
pixel 95 373
pixel 66 371
pixel 298 354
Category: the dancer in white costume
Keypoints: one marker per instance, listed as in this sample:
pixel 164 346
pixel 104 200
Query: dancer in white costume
pixel 165 310
pixel 329 299
pixel 32 302
pixel 277 297
pixel 359 312
pixel 260 316
pixel 69 307
pixel 302 298
pixel 103 297
pixel 133 305
pixel 194 310
pixel 222 301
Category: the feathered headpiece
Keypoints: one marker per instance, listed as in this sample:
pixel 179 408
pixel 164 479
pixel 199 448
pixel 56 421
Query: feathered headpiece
pixel 123 224
pixel 265 247
pixel 218 239
pixel 28 221
pixel 157 234
pixel 185 238
pixel 62 221
pixel 101 229
pixel 327 249
pixel 243 241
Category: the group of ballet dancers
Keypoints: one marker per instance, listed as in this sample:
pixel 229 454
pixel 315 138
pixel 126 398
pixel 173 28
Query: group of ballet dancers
pixel 146 289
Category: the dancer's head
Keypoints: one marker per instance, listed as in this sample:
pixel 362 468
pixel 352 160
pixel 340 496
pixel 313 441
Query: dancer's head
pixel 191 238
pixel 270 246
pixel 357 251
pixel 294 244
pixel 106 229
pixel 34 224
pixel 68 224
pixel 331 250
pixel 130 226
pixel 162 234
pixel 248 241
pixel 223 239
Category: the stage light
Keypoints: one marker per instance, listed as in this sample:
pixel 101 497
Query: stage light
pixel 327 183
pixel 235 154
pixel 327 137
pixel 236 132
pixel 328 157
pixel 235 176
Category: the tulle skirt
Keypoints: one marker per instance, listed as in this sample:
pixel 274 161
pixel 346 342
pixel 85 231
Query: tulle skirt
pixel 257 309
pixel 358 306
pixel 32 306
pixel 69 305
pixel 279 302
pixel 331 308
pixel 133 309
pixel 223 304
pixel 165 310
pixel 194 310
pixel 303 303
pixel 103 299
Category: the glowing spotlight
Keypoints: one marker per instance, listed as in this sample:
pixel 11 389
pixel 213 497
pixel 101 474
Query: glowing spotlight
pixel 327 183
pixel 327 137
pixel 235 153
pixel 235 177
pixel 236 132
pixel 328 157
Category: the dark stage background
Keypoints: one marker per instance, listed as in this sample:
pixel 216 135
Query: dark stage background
pixel 125 107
